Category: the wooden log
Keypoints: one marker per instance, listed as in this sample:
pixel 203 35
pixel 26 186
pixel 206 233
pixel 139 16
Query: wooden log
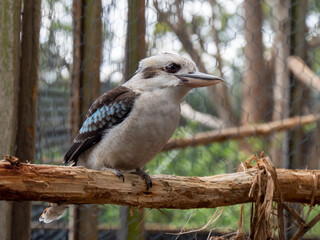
pixel 80 185
pixel 231 133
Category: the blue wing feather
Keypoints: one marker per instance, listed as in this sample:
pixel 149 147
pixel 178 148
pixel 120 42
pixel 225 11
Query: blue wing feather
pixel 102 115
pixel 107 111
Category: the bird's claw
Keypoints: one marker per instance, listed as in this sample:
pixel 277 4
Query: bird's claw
pixel 148 181
pixel 119 175
pixel 145 176
pixel 115 172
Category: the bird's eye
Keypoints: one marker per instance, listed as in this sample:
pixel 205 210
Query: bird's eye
pixel 173 68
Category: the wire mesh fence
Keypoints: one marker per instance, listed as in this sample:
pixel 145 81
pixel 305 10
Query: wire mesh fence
pixel 249 43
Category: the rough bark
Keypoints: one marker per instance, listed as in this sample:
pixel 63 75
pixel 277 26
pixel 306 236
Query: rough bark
pixel 27 107
pixel 80 185
pixel 85 88
pixel 255 93
pixel 9 75
pixel 241 132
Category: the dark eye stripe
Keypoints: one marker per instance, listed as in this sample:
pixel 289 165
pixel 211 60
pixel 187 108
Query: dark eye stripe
pixel 150 72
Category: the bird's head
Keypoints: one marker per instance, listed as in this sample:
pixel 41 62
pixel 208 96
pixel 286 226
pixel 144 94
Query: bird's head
pixel 169 70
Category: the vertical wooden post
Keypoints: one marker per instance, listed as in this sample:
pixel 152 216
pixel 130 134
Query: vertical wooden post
pixel 135 39
pixel 27 107
pixel 298 94
pixel 74 113
pixel 9 75
pixel 85 88
pixel 281 88
pixel 132 226
pixel 255 99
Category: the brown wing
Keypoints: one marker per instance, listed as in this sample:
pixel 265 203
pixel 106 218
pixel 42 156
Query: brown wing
pixel 107 111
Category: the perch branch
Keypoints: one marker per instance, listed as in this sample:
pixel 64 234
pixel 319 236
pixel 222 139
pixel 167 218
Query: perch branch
pixel 263 129
pixel 303 72
pixel 80 185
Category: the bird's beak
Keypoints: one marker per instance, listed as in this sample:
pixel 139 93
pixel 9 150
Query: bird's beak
pixel 198 79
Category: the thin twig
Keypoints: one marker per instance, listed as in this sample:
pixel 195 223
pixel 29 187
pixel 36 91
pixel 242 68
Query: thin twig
pixel 305 228
pixel 294 214
pixel 212 220
pixel 184 226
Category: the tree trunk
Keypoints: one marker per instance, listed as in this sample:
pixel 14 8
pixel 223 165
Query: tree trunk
pixel 135 39
pixel 281 89
pixel 74 113
pixel 298 95
pixel 85 88
pixel 74 102
pixel 27 107
pixel 132 226
pixel 9 75
pixel 298 92
pixel 256 78
pixel 309 81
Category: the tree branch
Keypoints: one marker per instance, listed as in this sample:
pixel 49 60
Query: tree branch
pixel 263 129
pixel 303 72
pixel 205 119
pixel 80 185
pixel 314 42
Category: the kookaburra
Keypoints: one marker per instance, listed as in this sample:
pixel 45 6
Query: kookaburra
pixel 127 126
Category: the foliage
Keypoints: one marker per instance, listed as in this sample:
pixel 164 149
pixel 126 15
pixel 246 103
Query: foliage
pixel 161 29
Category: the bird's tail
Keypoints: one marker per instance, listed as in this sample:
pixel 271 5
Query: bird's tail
pixel 53 212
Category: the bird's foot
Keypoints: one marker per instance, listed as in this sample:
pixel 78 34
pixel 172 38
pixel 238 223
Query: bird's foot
pixel 145 176
pixel 115 172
